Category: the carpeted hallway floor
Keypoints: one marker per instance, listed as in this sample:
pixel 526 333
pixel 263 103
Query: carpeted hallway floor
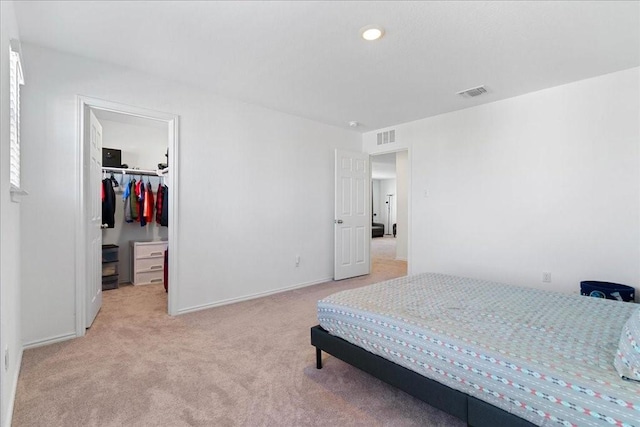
pixel 246 364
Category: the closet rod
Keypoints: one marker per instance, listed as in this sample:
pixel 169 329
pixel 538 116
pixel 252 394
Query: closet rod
pixel 125 171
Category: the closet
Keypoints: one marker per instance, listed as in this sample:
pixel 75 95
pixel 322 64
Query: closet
pixel 135 196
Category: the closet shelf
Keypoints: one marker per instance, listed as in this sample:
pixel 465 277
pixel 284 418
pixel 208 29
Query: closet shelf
pixel 130 171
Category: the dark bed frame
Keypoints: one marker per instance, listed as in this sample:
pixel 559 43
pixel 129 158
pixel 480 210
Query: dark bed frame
pixel 475 412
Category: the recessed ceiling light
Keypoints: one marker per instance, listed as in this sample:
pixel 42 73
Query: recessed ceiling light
pixel 371 32
pixel 354 124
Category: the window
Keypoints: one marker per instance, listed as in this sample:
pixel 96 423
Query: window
pixel 16 80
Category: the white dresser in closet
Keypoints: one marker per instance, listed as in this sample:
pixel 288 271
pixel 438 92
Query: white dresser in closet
pixel 147 262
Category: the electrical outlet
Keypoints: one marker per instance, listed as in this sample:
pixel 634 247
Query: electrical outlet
pixel 546 277
pixel 6 358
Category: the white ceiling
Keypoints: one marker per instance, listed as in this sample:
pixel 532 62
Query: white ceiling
pixel 307 59
pixel 129 119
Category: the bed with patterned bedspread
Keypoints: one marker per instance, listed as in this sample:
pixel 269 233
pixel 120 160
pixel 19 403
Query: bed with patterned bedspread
pixel 545 357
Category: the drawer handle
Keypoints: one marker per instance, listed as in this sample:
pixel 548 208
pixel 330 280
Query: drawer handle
pixel 155 280
pixel 155 254
pixel 155 267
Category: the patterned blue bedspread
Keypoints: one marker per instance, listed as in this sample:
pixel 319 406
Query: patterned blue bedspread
pixel 543 356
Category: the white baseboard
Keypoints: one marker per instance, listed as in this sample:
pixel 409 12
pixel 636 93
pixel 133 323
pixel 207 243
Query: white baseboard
pixel 12 395
pixel 252 296
pixel 51 340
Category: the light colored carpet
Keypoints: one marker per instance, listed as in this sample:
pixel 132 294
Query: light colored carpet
pixel 246 364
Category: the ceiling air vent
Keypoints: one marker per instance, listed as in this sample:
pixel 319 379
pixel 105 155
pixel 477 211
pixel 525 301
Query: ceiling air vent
pixel 386 137
pixel 474 91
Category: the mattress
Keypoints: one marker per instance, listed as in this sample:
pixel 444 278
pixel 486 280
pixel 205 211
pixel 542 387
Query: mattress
pixel 543 356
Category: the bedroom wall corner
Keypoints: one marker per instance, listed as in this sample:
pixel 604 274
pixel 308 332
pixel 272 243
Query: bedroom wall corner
pixel 256 189
pixel 546 181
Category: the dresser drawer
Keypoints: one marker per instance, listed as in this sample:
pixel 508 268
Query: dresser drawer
pixel 149 264
pixel 110 282
pixel 149 250
pixel 149 277
pixel 109 268
pixel 109 253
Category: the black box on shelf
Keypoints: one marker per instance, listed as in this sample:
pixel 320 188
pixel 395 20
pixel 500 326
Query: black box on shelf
pixel 111 158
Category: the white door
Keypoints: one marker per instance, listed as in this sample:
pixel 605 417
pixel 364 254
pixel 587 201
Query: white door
pixel 94 215
pixel 352 223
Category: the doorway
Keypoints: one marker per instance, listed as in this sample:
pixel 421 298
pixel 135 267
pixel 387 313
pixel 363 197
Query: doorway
pixel 389 211
pixel 86 274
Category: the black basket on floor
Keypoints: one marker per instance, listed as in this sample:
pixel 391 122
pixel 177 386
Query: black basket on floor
pixel 614 291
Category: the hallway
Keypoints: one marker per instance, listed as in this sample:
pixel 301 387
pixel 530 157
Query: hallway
pixel 383 258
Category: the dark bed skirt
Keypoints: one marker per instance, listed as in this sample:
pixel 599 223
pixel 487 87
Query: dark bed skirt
pixel 474 411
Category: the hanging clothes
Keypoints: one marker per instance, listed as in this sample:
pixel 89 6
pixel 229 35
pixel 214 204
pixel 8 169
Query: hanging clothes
pixel 134 200
pixel 159 197
pixel 108 203
pixel 126 198
pixel 148 204
pixel 164 219
pixel 141 198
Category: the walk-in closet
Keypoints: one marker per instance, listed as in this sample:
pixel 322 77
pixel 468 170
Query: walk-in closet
pixel 135 195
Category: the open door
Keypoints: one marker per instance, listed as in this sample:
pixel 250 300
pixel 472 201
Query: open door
pixel 94 223
pixel 352 223
pixel 89 213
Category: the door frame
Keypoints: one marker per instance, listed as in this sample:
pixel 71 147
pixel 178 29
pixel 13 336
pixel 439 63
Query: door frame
pixel 84 104
pixel 409 210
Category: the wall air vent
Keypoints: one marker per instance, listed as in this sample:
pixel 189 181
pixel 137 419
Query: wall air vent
pixel 474 91
pixel 386 137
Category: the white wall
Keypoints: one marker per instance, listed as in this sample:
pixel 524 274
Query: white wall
pixel 9 230
pixel 256 188
pixel 143 147
pixel 402 203
pixel 548 181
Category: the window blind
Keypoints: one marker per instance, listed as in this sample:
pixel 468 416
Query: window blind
pixel 16 80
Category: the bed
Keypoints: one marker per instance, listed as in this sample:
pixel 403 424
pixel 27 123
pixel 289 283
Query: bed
pixel 489 353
